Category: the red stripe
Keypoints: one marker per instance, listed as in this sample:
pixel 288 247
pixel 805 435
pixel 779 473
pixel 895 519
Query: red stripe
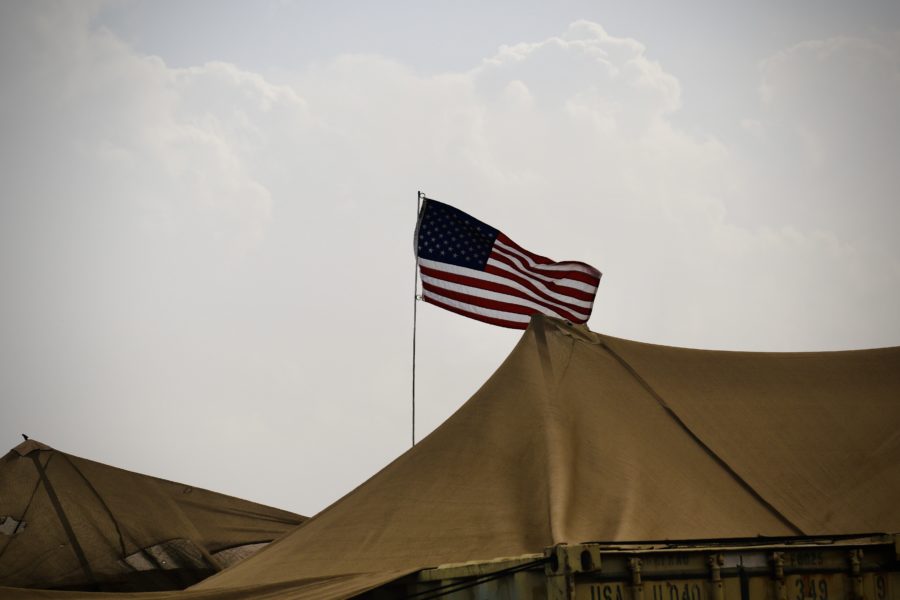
pixel 494 304
pixel 482 302
pixel 533 283
pixel 585 270
pixel 543 260
pixel 530 279
pixel 493 287
pixel 476 316
pixel 576 274
pixel 474 282
pixel 552 273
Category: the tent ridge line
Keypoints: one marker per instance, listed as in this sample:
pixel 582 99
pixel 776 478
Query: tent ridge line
pixel 67 526
pixel 105 506
pixel 721 462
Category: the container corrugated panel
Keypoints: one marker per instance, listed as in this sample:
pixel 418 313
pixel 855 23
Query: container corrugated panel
pixel 863 567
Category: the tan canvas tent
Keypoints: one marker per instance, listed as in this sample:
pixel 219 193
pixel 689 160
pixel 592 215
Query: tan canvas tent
pixel 71 523
pixel 582 437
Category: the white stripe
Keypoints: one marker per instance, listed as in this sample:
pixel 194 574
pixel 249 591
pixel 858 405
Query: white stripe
pixel 552 297
pixel 478 310
pixel 538 281
pixel 555 266
pixel 526 272
pixel 489 295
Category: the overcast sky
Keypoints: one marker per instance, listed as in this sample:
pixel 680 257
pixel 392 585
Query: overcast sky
pixel 207 208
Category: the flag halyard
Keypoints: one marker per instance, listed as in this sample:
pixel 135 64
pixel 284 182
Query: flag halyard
pixel 473 269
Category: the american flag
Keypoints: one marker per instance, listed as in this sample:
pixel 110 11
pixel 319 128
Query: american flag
pixel 472 269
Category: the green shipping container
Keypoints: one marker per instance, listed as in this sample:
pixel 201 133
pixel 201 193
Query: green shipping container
pixel 818 568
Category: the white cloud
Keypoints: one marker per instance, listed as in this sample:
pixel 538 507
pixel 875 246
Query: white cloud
pixel 832 104
pixel 183 243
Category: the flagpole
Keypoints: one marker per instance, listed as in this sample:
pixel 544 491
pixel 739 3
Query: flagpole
pixel 415 306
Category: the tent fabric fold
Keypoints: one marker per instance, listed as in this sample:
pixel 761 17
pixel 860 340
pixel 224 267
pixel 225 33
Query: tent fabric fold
pixel 71 523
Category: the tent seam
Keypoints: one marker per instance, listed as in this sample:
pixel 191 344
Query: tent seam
pixel 709 451
pixel 112 517
pixel 64 521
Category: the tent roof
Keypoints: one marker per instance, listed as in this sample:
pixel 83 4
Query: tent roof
pixel 68 522
pixel 583 437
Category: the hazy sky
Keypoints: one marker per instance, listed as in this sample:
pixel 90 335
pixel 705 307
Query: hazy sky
pixel 207 208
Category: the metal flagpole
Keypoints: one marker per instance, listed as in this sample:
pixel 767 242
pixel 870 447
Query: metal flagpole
pixel 415 306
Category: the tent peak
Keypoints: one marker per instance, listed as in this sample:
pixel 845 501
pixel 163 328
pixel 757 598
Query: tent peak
pixel 29 446
pixel 584 334
pixel 580 332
